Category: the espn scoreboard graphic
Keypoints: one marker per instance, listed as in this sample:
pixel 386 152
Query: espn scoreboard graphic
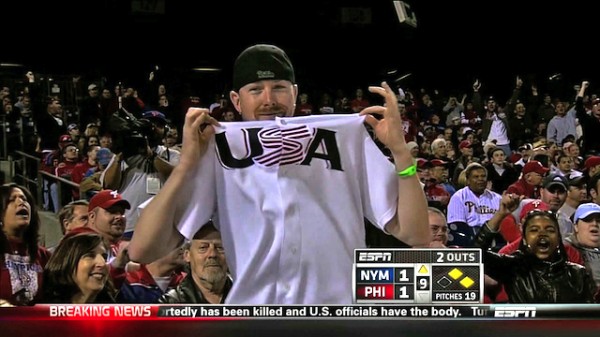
pixel 453 275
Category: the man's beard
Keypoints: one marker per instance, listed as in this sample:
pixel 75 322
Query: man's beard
pixel 214 275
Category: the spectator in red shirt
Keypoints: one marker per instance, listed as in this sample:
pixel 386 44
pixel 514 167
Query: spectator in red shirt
pixel 359 102
pixel 22 260
pixel 80 169
pixel 531 179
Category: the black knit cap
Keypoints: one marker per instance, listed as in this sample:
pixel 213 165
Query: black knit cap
pixel 262 62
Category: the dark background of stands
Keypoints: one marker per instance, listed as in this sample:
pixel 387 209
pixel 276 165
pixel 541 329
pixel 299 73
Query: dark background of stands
pixel 464 39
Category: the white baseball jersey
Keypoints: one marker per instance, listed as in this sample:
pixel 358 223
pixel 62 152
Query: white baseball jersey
pixel 466 207
pixel 289 197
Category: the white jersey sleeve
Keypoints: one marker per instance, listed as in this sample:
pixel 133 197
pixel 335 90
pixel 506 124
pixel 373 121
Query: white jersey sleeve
pixel 380 185
pixel 457 212
pixel 196 203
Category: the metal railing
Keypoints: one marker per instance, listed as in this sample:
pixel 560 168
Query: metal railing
pixel 4 148
pixel 63 185
pixel 25 171
pixel 26 166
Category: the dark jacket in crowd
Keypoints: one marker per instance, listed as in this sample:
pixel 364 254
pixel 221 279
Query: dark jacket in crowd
pixel 590 126
pixel 187 292
pixel 500 183
pixel 528 279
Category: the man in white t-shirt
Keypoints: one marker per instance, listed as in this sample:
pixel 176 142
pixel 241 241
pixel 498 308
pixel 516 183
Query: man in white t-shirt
pixel 289 195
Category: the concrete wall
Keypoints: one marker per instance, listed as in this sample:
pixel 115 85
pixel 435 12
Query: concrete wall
pixel 50 233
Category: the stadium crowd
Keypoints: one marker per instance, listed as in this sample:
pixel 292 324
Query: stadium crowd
pixel 518 178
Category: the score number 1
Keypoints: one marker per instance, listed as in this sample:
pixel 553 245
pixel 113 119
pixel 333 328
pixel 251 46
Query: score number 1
pixel 401 293
pixel 404 275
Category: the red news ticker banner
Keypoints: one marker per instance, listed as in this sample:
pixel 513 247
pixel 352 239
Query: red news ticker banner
pixel 118 312
pixel 103 312
pixel 100 312
pixel 363 319
pixel 78 312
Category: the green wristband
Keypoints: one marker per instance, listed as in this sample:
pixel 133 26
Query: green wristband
pixel 409 171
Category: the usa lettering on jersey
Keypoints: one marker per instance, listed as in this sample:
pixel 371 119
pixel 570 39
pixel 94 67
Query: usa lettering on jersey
pixel 270 147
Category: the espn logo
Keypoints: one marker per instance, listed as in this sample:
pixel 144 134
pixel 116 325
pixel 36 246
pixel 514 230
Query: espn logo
pixel 514 312
pixel 375 257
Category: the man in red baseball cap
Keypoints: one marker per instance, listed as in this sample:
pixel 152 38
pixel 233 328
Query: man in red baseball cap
pixel 64 140
pixel 435 192
pixel 592 165
pixel 106 215
pixel 531 179
pixel 465 144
